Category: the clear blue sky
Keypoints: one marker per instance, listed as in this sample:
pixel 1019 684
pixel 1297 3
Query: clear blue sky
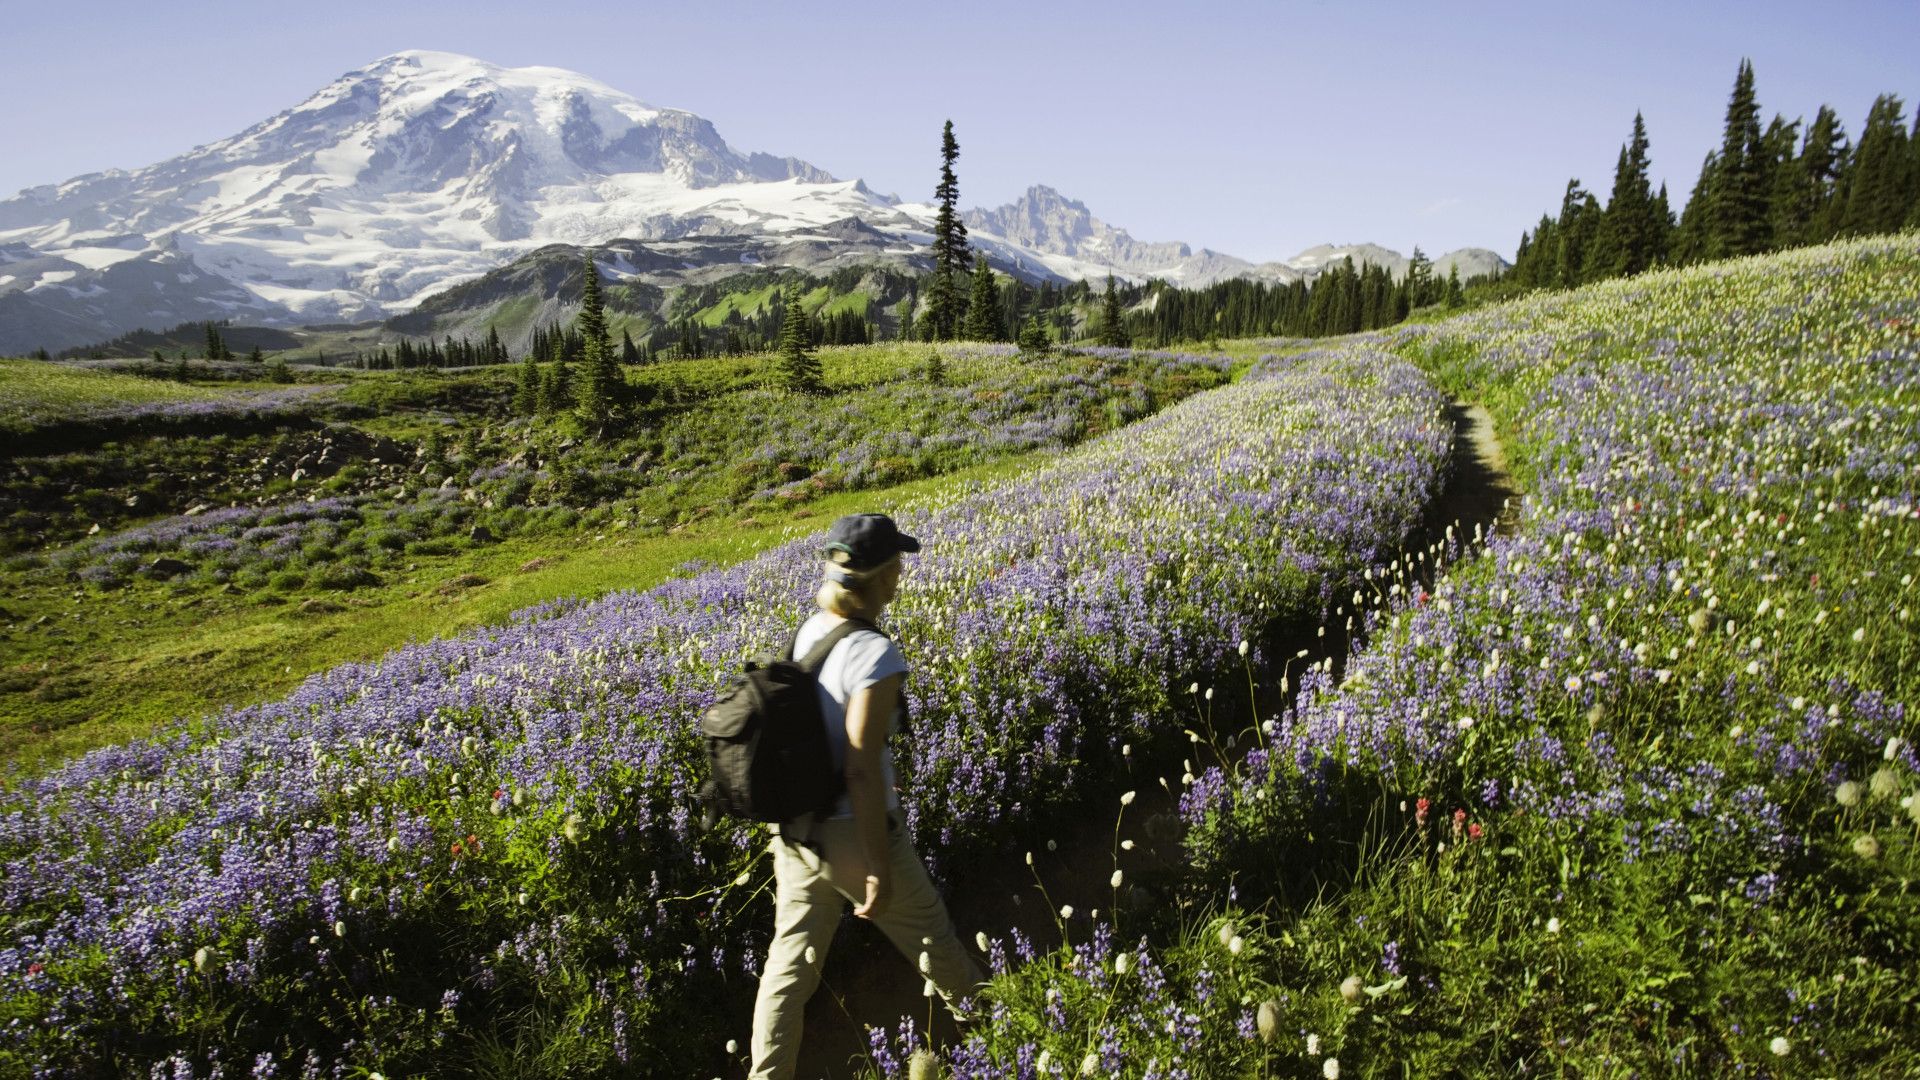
pixel 1256 129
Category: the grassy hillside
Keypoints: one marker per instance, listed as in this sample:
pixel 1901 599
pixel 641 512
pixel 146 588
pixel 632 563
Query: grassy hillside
pixel 1634 791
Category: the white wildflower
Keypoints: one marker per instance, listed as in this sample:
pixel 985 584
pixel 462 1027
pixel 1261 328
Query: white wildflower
pixel 1883 784
pixel 1267 1020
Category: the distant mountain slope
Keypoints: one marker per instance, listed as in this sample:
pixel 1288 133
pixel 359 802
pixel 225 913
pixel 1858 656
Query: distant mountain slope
pixel 426 169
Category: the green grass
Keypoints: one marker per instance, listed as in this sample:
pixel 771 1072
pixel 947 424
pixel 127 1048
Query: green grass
pixel 33 392
pixel 822 304
pixel 515 315
pixel 746 304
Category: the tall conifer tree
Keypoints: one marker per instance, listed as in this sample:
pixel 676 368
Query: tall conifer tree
pixel 1878 193
pixel 526 393
pixel 1739 196
pixel 1627 231
pixel 983 306
pixel 950 255
pixel 599 397
pixel 799 369
pixel 1823 157
pixel 1692 240
pixel 1113 320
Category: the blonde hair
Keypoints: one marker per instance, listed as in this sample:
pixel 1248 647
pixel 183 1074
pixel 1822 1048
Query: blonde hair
pixel 847 592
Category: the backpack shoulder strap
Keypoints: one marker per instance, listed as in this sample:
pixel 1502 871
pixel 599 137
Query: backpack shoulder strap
pixel 816 657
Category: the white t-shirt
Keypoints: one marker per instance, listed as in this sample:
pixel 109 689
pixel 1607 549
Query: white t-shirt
pixel 861 659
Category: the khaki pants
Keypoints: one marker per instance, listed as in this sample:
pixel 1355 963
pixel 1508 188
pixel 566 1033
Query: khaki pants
pixel 810 894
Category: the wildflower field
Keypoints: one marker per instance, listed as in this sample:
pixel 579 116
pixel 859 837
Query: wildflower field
pixel 478 856
pixel 36 396
pixel 1630 791
pixel 156 564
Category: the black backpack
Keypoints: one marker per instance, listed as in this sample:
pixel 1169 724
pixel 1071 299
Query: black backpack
pixel 767 742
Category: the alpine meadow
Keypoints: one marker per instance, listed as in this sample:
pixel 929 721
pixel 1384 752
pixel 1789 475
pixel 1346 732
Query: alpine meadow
pixel 1429 665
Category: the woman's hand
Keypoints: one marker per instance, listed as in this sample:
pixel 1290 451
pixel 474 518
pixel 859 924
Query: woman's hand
pixel 879 891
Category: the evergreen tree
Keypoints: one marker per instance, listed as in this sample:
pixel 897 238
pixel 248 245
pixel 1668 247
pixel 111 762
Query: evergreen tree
pixel 983 307
pixel 1738 205
pixel 1878 193
pixel 496 352
pixel 157 358
pixel 1033 337
pixel 1419 278
pixel 950 253
pixel 1692 240
pixel 799 369
pixel 629 352
pixel 599 397
pixel 1113 321
pixel 1663 225
pixel 1579 221
pixel 526 394
pixel 1913 171
pixel 1813 215
pixel 1627 235
pixel 1453 296
pixel 254 357
pixel 936 370
pixel 216 348
pixel 1781 171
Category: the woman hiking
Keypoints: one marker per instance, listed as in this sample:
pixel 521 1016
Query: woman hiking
pixel 858 852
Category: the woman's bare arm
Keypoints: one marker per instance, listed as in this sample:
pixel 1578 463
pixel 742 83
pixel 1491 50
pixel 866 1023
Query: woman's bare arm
pixel 869 718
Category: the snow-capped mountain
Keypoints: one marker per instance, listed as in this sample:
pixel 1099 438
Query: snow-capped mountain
pixel 425 170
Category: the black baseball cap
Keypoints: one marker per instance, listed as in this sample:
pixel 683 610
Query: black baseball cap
pixel 866 540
